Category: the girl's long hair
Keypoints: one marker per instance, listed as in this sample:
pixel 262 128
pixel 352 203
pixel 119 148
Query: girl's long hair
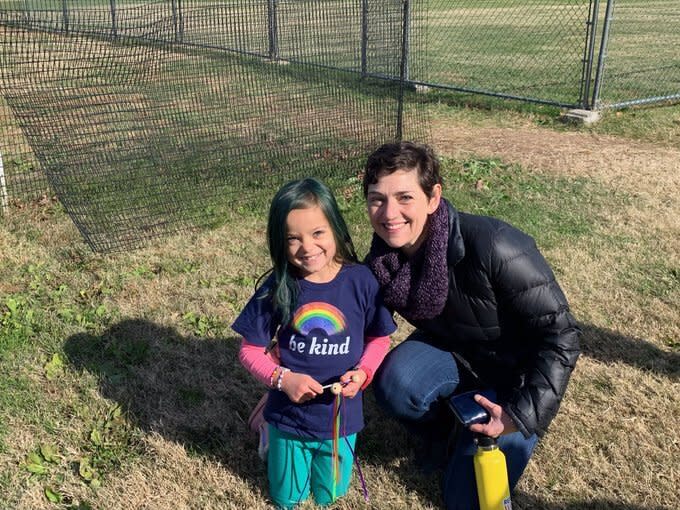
pixel 300 194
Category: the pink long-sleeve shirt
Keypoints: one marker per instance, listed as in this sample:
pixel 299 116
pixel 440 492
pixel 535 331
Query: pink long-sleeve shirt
pixel 262 365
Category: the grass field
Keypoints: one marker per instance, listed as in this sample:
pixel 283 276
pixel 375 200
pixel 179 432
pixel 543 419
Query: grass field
pixel 119 381
pixel 535 49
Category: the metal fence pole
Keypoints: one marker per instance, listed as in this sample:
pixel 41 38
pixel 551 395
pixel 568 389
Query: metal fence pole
pixel 64 11
pixel 403 69
pixel 3 187
pixel 364 36
pixel 589 54
pixel 175 25
pixel 114 22
pixel 406 44
pixel 180 20
pixel 597 87
pixel 273 29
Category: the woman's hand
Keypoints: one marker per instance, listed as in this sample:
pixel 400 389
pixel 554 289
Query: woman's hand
pixel 499 423
pixel 300 387
pixel 352 380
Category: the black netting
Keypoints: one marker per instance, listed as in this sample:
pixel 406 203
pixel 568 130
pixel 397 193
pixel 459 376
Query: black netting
pixel 152 117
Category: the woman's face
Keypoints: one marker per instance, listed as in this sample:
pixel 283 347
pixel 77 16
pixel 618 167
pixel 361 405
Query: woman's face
pixel 398 209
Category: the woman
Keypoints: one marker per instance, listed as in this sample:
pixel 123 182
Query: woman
pixel 488 312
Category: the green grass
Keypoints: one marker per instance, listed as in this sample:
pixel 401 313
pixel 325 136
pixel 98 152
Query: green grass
pixel 490 188
pixel 535 49
pixel 118 373
pixel 657 124
pixel 94 347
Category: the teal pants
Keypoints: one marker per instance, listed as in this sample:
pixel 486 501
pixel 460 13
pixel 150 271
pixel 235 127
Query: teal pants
pixel 296 465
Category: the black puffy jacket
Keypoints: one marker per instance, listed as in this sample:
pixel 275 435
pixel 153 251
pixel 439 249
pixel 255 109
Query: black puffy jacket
pixel 507 317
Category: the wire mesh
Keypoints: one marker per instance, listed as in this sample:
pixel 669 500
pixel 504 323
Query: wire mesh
pixel 153 117
pixel 526 49
pixel 642 57
pixel 144 115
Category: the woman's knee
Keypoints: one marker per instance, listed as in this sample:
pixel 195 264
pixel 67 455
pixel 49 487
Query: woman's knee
pixel 391 390
pixel 413 376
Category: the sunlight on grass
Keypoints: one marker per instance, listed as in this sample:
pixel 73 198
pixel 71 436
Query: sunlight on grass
pixel 125 372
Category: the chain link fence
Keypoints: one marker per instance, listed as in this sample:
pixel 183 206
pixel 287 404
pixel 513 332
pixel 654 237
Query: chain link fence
pixel 156 116
pixel 640 53
pixel 591 54
pixel 519 49
pixel 150 116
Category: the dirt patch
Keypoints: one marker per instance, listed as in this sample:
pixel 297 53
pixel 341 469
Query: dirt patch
pixel 643 170
pixel 636 166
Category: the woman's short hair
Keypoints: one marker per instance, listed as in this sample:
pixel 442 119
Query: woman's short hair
pixel 390 157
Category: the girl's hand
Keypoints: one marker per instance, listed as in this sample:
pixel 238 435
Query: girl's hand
pixel 353 380
pixel 499 423
pixel 300 387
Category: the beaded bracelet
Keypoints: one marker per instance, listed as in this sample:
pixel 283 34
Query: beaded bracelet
pixel 279 379
pixel 271 377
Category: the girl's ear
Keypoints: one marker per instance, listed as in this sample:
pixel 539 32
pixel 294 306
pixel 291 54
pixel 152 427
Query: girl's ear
pixel 433 202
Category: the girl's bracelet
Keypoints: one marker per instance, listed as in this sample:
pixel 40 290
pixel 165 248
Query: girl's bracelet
pixel 271 377
pixel 279 379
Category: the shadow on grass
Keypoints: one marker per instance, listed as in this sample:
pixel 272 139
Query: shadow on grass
pixel 522 501
pixel 190 390
pixel 195 392
pixel 607 346
pixel 384 442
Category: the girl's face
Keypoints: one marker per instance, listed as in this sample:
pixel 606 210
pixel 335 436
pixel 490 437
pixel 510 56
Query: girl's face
pixel 398 209
pixel 311 244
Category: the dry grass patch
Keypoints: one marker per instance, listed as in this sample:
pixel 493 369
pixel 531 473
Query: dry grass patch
pixel 611 443
pixel 163 352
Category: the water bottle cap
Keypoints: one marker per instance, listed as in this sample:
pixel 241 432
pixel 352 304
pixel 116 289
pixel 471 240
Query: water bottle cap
pixel 486 442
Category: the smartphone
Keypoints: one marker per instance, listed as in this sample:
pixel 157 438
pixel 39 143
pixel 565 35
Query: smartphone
pixel 466 410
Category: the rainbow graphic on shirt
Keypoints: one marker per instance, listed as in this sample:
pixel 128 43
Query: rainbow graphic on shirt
pixel 318 315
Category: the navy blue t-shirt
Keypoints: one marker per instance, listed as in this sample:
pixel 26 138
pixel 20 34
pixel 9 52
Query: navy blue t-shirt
pixel 324 339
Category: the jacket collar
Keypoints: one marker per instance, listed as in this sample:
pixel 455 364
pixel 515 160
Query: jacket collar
pixel 456 248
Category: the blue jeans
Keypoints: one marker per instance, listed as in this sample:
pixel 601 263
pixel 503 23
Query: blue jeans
pixel 411 385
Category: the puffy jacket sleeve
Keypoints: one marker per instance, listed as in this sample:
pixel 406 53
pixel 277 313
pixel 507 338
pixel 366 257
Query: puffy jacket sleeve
pixel 526 288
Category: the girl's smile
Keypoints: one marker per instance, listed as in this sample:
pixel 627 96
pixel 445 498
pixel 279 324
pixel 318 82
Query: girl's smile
pixel 311 244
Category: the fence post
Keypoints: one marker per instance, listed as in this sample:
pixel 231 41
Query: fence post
pixel 180 13
pixel 3 188
pixel 597 87
pixel 178 20
pixel 273 29
pixel 406 49
pixel 589 54
pixel 175 25
pixel 114 22
pixel 64 12
pixel 364 37
pixel 403 69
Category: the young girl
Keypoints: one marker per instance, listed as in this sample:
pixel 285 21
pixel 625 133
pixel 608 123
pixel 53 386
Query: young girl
pixel 324 310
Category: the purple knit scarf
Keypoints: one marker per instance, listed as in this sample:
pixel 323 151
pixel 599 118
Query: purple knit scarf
pixel 415 287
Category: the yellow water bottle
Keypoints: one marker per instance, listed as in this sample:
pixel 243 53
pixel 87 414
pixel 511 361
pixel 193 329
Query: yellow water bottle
pixel 491 474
